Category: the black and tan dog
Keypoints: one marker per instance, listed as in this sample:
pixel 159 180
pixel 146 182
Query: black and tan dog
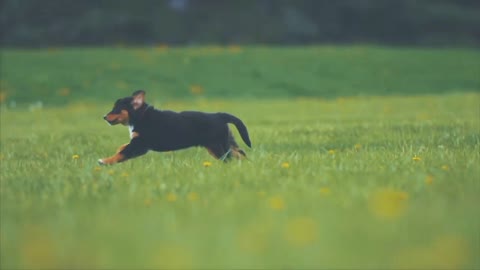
pixel 157 130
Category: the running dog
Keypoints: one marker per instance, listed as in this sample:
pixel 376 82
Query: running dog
pixel 161 131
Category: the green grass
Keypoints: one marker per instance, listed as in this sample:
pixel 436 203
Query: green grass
pixel 252 72
pixel 364 182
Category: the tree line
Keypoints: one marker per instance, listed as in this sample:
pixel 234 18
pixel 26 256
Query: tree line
pixel 35 23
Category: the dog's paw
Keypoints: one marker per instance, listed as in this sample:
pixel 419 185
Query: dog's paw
pixel 101 162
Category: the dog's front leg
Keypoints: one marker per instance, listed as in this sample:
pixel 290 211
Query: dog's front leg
pixel 115 158
pixel 127 151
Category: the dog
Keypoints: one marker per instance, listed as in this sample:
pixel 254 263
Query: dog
pixel 162 130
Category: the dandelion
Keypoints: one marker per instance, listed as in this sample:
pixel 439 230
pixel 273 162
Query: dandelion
pixel 276 203
pixel 172 256
pixel 388 204
pixel 3 96
pixel 114 66
pixel 207 164
pixel 148 202
pixel 358 146
pixel 285 165
pixel 253 238
pixel 301 231
pixel 261 194
pixel 234 49
pixel 161 47
pixel 331 152
pixel 65 91
pixel 38 249
pixel 445 168
pixel 196 89
pixel 75 157
pixel 111 172
pixel 192 196
pixel 121 85
pixel 325 191
pixel 446 252
pixel 171 197
pixel 429 179
pixel 416 158
pixel 97 169
pixel 124 174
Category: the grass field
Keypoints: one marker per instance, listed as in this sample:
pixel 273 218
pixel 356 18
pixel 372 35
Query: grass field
pixel 362 158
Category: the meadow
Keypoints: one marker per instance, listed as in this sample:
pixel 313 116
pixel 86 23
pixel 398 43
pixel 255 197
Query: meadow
pixel 362 158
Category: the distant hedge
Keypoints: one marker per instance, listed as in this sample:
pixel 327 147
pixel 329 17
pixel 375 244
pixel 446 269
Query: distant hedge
pixel 35 23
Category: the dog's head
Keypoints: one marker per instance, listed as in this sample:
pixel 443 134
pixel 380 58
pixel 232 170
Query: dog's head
pixel 125 108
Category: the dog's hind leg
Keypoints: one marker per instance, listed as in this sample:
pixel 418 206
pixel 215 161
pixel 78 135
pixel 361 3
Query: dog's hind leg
pixel 216 150
pixel 235 152
pixel 226 149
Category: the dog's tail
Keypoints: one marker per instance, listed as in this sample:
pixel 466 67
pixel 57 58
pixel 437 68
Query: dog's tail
pixel 242 129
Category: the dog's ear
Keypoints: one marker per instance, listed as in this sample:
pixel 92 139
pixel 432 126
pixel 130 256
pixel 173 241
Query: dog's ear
pixel 138 99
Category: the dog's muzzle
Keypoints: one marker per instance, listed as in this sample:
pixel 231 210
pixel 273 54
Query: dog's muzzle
pixel 109 122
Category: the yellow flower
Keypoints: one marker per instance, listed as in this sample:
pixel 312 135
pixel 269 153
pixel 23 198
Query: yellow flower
pixel 358 146
pixel 148 202
pixel 388 204
pixel 172 256
pixel 111 172
pixel 161 47
pixel 75 157
pixel 3 96
pixel 207 164
pixel 196 89
pixel 235 49
pixel 114 66
pixel 446 252
pixel 445 167
pixel 192 196
pixel 171 197
pixel 253 238
pixel 121 85
pixel 276 203
pixel 124 174
pixel 65 91
pixel 38 248
pixel 429 179
pixel 285 165
pixel 325 191
pixel 97 169
pixel 416 158
pixel 331 152
pixel 301 231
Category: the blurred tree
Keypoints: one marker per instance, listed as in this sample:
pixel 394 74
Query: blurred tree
pixel 34 23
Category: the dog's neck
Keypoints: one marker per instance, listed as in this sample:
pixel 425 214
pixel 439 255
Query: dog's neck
pixel 139 114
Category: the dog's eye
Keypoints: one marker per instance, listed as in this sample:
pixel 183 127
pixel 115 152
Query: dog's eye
pixel 116 111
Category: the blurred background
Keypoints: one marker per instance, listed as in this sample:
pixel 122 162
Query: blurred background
pixel 33 23
pixel 363 116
